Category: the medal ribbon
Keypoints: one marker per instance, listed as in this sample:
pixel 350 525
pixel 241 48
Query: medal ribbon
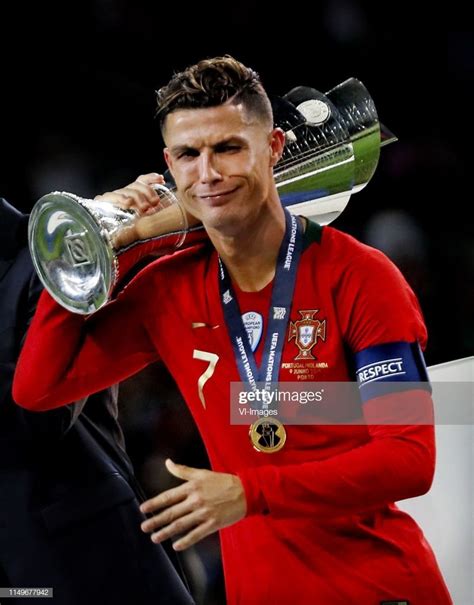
pixel 280 305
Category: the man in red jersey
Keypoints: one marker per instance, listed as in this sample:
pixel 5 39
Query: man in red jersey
pixel 310 518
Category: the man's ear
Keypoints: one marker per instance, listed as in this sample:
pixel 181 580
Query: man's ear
pixel 168 159
pixel 277 143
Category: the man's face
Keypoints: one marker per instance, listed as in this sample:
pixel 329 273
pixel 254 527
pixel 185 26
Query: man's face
pixel 221 159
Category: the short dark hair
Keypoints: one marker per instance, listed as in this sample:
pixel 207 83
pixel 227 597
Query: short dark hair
pixel 213 82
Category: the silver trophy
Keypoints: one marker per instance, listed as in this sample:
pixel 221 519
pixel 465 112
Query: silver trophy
pixel 84 250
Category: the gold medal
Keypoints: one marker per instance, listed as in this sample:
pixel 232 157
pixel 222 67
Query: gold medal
pixel 267 435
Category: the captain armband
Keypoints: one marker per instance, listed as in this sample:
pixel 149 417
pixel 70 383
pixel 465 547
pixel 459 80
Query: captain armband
pixel 389 368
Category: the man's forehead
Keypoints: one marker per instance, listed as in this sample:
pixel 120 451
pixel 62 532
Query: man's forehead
pixel 212 123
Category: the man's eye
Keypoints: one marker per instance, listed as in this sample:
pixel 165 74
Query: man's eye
pixel 188 153
pixel 229 148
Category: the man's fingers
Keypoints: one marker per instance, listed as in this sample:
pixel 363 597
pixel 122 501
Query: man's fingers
pixel 148 192
pixel 195 535
pixel 167 516
pixel 139 195
pixel 151 178
pixel 181 525
pixel 141 198
pixel 165 499
pixel 133 197
pixel 181 471
pixel 125 198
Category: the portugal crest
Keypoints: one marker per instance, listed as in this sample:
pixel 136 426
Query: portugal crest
pixel 306 332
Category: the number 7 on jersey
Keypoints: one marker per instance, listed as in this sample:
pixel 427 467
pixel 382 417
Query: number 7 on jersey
pixel 212 358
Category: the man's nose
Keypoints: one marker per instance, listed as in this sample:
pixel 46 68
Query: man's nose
pixel 208 171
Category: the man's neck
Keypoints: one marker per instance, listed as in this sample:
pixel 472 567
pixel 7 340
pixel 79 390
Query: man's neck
pixel 250 254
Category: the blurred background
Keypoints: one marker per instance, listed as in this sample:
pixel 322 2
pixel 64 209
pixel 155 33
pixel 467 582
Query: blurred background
pixel 77 106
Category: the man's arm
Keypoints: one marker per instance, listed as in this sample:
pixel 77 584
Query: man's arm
pixel 59 421
pixel 67 357
pixel 397 463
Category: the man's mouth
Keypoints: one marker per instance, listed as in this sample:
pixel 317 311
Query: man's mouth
pixel 216 195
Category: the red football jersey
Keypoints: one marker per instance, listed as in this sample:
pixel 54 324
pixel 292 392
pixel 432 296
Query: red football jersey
pixel 321 524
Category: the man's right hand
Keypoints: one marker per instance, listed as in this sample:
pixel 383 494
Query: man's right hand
pixel 139 195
